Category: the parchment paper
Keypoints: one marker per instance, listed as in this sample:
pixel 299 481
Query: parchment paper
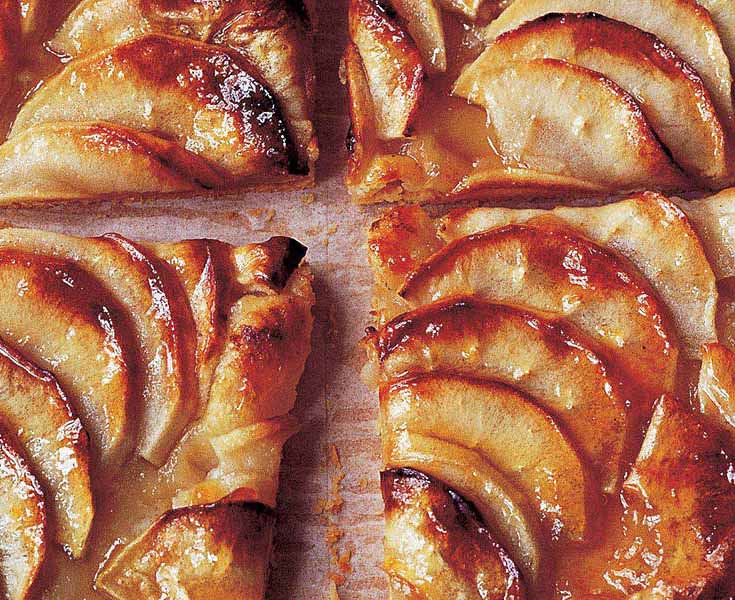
pixel 335 408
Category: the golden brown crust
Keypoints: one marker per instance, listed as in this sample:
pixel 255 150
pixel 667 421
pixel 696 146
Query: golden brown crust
pixel 462 554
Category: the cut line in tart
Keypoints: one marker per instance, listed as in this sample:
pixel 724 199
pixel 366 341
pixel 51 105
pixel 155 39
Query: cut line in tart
pixel 145 397
pixel 538 98
pixel 118 99
pixel 492 396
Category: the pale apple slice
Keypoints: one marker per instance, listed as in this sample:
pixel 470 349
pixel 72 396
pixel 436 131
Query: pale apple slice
pixel 489 418
pixel 716 389
pixel 23 528
pixel 723 15
pixel 647 229
pixel 437 543
pixel 672 96
pixel 224 114
pixel 683 25
pixel 503 508
pixel 393 65
pixel 490 341
pixel 714 220
pixel 72 160
pixel 34 408
pixel 552 270
pixel 212 552
pixel 583 125
pixel 66 322
pixel 685 476
pixel 424 22
pixel 162 324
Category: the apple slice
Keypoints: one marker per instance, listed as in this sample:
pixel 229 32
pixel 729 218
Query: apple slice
pixel 723 15
pixel 393 65
pixel 489 418
pixel 647 229
pixel 23 528
pixel 437 544
pixel 216 551
pixel 223 113
pixel 538 357
pixel 159 317
pixel 468 8
pixel 683 25
pixel 72 160
pixel 505 511
pixel 672 96
pixel 583 125
pixel 66 322
pixel 716 389
pixel 424 22
pixel 714 220
pixel 551 270
pixel 685 477
pixel 34 408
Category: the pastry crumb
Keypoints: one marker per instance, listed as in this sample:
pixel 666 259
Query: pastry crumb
pixel 309 198
pixel 333 593
pixel 270 215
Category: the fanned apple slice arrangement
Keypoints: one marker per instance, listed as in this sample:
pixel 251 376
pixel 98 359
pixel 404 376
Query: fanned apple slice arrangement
pixel 453 100
pixel 145 397
pixel 155 97
pixel 557 399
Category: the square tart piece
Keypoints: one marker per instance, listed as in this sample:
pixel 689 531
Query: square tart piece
pixel 131 98
pixel 456 99
pixel 145 397
pixel 557 399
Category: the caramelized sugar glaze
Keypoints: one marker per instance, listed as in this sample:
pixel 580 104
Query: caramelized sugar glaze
pixel 451 100
pixel 148 389
pixel 231 109
pixel 569 374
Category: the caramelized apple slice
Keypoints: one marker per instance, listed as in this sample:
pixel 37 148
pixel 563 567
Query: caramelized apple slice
pixel 567 379
pixel 716 389
pixel 393 66
pixel 489 418
pixel 63 160
pixel 437 544
pixel 223 113
pixel 159 319
pixel 424 22
pixel 672 96
pixel 583 125
pixel 22 524
pixel 271 34
pixel 465 7
pixel 683 25
pixel 66 322
pixel 34 408
pixel 685 476
pixel 212 552
pixel 647 229
pixel 502 507
pixel 552 270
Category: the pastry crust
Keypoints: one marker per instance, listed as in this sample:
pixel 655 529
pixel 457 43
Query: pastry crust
pixel 211 343
pixel 538 98
pixel 231 111
pixel 475 396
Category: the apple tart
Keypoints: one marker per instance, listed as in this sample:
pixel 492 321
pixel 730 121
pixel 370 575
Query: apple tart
pixel 456 99
pixel 140 97
pixel 557 399
pixel 146 395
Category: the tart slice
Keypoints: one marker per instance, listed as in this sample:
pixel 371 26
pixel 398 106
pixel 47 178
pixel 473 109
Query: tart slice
pixel 537 98
pixel 98 116
pixel 182 361
pixel 499 383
